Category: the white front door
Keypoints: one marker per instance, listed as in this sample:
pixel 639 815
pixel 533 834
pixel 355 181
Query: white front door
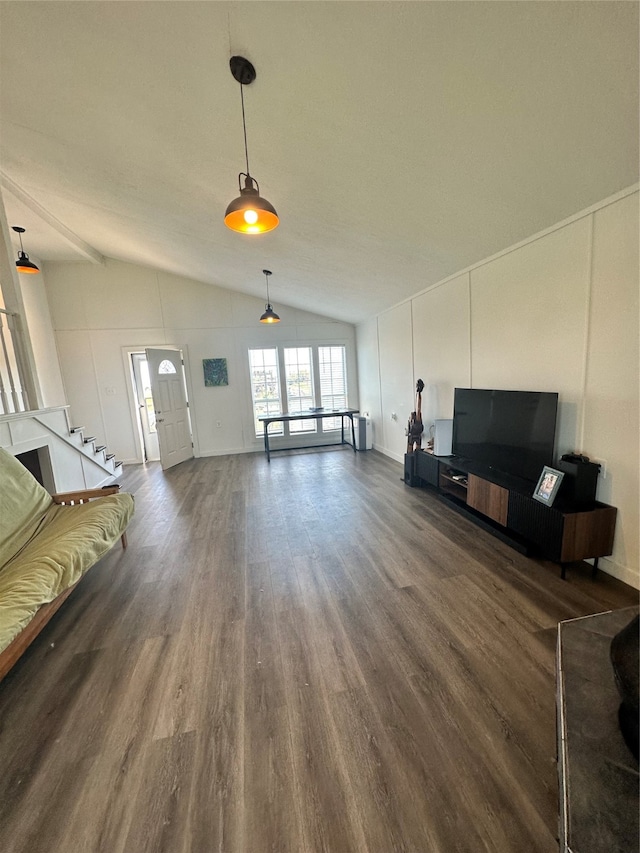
pixel 170 405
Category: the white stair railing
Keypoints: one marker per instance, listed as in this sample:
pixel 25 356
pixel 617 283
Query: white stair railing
pixel 13 393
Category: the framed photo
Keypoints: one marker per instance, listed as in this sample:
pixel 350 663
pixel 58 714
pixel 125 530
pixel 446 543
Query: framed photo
pixel 215 371
pixel 548 485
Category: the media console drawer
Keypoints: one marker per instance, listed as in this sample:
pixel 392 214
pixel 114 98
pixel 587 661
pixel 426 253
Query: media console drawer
pixel 488 498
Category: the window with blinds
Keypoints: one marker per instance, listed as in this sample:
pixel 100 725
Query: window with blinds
pixel 298 373
pixel 265 387
pixel 332 371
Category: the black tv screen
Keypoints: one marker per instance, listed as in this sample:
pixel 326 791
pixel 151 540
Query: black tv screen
pixel 509 431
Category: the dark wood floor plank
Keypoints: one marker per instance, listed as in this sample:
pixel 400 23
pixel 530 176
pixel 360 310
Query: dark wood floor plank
pixel 337 662
pixel 272 820
pixel 272 809
pixel 431 813
pixel 507 684
pixel 394 815
pixel 427 756
pixel 160 809
pixel 265 688
pixel 284 580
pixel 216 809
pixel 95 752
pixel 293 657
pixel 113 779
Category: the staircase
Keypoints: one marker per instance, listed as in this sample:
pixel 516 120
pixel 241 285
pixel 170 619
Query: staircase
pixel 69 459
pixel 97 452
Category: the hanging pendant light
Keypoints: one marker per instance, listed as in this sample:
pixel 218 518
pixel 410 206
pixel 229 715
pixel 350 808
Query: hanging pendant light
pixel 269 315
pixel 249 213
pixel 23 263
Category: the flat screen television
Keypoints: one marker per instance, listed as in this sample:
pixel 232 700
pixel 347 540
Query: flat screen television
pixel 508 431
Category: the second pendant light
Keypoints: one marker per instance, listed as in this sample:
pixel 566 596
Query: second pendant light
pixel 269 315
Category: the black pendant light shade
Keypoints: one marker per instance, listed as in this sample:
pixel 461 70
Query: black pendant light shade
pixel 269 315
pixel 23 264
pixel 249 213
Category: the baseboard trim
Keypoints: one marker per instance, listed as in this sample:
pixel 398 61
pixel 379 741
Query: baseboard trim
pixel 622 573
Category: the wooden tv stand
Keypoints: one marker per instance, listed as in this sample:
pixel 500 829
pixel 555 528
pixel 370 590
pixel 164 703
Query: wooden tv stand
pixel 504 505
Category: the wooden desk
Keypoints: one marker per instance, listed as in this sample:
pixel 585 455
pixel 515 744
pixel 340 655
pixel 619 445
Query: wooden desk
pixel 308 415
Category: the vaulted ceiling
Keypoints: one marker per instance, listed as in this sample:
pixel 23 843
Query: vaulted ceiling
pixel 399 141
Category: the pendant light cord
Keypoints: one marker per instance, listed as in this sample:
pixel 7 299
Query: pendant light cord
pixel 244 127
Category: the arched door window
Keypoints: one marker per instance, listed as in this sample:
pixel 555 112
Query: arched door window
pixel 166 367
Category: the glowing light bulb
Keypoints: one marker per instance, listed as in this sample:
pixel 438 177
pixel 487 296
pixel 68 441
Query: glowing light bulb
pixel 250 217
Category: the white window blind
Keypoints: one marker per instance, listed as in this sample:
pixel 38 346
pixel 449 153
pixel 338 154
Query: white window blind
pixel 333 382
pixel 298 371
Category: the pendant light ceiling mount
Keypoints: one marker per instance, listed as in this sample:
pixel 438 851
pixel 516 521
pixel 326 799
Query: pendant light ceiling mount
pixel 23 264
pixel 249 213
pixel 269 315
pixel 243 71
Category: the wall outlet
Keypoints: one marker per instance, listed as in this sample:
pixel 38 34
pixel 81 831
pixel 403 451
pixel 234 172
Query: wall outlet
pixel 602 474
pixel 110 391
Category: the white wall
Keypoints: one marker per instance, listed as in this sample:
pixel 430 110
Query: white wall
pixel 441 356
pixel 397 397
pixel 101 312
pixel 610 428
pixel 369 377
pixel 558 312
pixel 38 321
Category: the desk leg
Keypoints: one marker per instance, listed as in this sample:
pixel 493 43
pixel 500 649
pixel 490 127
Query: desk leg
pixel 266 442
pixel 353 434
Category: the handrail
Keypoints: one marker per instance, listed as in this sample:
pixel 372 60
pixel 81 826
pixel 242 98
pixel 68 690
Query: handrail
pixel 30 413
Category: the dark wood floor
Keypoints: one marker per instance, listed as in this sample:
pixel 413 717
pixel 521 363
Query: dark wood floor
pixel 302 656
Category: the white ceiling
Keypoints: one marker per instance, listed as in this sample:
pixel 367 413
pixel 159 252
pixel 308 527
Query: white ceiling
pixel 399 141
